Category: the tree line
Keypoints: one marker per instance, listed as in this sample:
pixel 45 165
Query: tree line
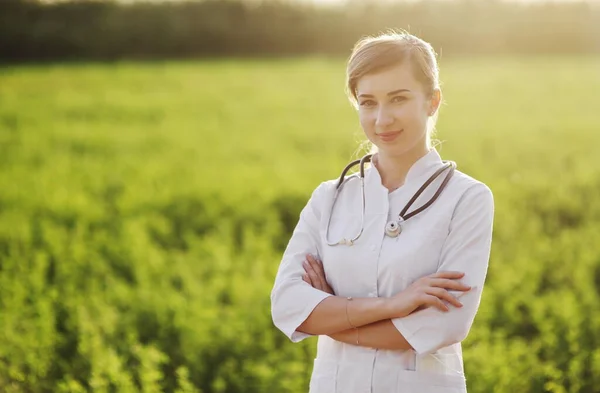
pixel 100 30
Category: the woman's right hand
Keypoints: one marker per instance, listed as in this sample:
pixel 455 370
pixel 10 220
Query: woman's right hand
pixel 428 291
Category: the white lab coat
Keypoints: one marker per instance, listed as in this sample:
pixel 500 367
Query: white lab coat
pixel 452 234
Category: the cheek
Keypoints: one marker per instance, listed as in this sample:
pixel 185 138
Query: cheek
pixel 366 120
pixel 411 114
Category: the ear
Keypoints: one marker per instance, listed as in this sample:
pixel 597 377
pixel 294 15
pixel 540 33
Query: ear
pixel 436 100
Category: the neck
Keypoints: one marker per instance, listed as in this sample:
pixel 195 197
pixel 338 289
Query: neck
pixel 394 168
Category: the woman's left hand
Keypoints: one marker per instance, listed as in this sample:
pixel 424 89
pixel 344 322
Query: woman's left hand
pixel 315 274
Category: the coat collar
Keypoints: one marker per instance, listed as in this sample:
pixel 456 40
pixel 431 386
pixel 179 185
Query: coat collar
pixel 422 166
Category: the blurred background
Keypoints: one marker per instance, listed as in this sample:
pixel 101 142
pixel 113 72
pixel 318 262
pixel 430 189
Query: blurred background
pixel 154 158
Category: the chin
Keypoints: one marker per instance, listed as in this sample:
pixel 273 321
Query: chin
pixel 401 149
pixel 393 150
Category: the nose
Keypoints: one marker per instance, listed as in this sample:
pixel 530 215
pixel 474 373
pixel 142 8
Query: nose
pixel 384 117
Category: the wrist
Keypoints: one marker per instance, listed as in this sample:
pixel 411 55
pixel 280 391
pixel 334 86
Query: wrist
pixel 397 307
pixel 389 308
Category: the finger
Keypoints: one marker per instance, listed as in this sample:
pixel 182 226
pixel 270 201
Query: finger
pixel 306 278
pixel 448 284
pixel 314 262
pixel 321 272
pixel 316 283
pixel 442 294
pixel 318 263
pixel 306 272
pixel 434 301
pixel 318 269
pixel 447 274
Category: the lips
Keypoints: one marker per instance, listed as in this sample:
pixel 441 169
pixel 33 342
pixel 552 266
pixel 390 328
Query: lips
pixel 389 136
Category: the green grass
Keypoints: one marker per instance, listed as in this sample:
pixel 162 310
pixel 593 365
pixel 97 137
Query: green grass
pixel 144 206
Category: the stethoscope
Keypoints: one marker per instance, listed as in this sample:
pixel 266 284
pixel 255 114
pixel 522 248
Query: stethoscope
pixel 393 227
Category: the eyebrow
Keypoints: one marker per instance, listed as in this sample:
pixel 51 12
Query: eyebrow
pixel 391 93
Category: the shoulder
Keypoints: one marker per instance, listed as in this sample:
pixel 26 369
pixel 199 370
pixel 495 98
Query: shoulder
pixel 325 194
pixel 323 191
pixel 324 188
pixel 470 190
pixel 464 182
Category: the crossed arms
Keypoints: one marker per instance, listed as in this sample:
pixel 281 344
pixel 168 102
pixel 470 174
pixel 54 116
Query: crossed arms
pixel 416 318
pixel 367 322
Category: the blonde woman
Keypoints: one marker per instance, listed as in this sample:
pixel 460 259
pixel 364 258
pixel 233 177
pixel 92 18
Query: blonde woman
pixel 387 266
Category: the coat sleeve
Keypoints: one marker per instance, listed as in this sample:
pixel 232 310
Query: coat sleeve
pixel 292 299
pixel 466 249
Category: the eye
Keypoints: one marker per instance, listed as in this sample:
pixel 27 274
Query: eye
pixel 398 99
pixel 367 103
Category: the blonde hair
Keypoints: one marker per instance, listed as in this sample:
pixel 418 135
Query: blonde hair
pixel 376 53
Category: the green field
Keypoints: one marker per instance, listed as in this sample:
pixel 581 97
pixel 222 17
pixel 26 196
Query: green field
pixel 144 208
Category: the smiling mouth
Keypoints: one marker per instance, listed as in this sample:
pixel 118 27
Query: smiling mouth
pixel 387 136
pixel 390 133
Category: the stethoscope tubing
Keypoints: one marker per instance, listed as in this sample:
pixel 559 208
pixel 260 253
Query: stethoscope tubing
pixel 402 216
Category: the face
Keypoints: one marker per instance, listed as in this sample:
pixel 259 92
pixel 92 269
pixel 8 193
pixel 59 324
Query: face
pixel 393 109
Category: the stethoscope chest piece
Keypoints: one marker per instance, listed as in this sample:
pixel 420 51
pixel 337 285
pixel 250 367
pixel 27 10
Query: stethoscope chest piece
pixel 393 228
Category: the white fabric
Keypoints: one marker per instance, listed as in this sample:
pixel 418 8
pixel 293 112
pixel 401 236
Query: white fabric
pixel 452 234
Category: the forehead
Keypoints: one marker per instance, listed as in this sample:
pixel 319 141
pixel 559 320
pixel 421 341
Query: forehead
pixel 381 82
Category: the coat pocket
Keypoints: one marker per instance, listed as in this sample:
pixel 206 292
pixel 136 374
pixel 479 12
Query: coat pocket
pixel 426 382
pixel 324 375
pixel 440 363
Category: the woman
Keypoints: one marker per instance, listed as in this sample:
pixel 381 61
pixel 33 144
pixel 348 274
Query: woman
pixel 404 250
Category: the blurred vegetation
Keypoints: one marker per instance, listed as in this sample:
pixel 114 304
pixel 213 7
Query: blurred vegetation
pixel 107 30
pixel 144 209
